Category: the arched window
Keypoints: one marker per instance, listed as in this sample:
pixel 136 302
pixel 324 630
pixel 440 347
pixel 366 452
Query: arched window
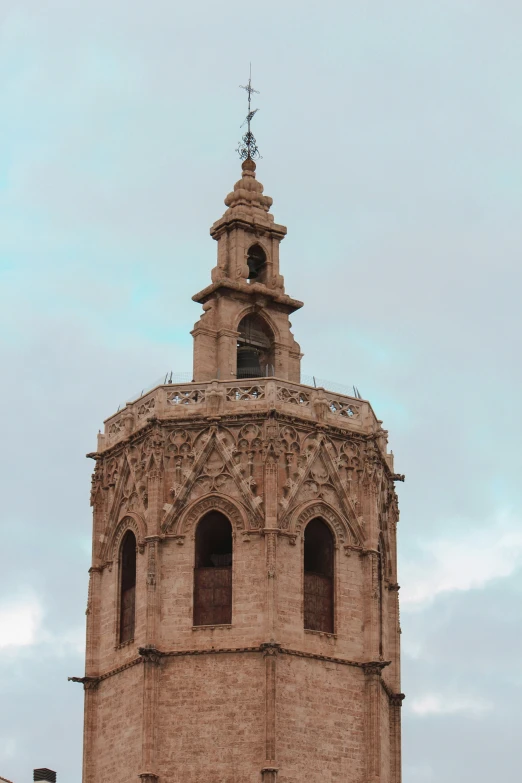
pixel 213 571
pixel 318 577
pixel 127 587
pixel 255 348
pixel 256 260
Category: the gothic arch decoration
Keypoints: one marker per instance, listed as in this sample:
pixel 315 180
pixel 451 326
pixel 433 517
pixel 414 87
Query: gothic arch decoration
pixel 342 530
pixel 126 495
pixel 190 517
pixel 129 521
pixel 317 479
pixel 213 469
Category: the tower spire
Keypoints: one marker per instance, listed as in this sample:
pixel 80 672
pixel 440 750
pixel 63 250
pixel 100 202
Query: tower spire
pixel 247 149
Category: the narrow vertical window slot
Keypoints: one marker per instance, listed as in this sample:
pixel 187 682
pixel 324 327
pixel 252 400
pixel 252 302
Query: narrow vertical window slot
pixel 128 587
pixel 213 571
pixel 318 577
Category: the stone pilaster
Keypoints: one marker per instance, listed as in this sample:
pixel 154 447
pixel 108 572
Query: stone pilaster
pixel 90 711
pixel 395 737
pixel 93 621
pixel 372 605
pixel 271 496
pixel 151 662
pixel 152 592
pixel 372 673
pixel 394 635
pixel 270 769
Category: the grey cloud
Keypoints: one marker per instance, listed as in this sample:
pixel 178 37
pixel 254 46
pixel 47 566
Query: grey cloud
pixel 391 143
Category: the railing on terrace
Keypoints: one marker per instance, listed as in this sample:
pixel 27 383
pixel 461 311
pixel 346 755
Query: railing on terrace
pixel 186 378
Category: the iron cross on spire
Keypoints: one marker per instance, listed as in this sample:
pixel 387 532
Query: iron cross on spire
pixel 248 145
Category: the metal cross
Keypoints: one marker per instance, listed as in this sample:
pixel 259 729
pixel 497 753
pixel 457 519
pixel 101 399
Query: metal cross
pixel 249 88
pixel 248 145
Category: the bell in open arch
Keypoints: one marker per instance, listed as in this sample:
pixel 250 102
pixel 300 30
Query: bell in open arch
pixel 248 365
pixel 256 261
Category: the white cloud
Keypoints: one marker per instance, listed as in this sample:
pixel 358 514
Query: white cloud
pixel 438 704
pixel 21 625
pixel 20 620
pixel 463 561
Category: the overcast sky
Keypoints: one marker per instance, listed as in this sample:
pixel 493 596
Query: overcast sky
pixel 391 141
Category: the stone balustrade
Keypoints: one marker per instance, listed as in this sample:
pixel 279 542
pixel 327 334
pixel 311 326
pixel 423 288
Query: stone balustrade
pixel 221 398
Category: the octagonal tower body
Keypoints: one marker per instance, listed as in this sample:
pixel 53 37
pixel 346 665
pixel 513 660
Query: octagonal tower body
pixel 279 659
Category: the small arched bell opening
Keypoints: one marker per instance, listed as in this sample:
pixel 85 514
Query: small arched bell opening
pixel 127 587
pixel 255 348
pixel 256 261
pixel 318 577
pixel 213 571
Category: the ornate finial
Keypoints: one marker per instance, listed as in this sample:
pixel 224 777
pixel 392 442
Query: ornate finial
pixel 247 149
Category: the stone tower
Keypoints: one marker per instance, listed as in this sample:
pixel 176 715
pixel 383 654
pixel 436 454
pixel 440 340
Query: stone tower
pixel 243 616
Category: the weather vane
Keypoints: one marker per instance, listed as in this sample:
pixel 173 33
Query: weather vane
pixel 248 144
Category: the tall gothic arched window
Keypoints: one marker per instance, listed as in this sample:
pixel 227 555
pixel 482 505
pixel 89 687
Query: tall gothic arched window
pixel 318 577
pixel 213 571
pixel 127 587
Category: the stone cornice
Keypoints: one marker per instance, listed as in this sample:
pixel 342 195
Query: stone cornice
pixel 290 305
pixel 153 655
pixel 224 418
pixel 252 226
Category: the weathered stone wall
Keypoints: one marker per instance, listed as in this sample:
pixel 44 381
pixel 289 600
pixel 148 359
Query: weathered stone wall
pixel 211 715
pixel 116 752
pixel 320 729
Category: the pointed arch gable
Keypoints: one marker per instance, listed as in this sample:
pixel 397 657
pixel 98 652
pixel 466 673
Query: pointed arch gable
pixel 343 531
pixel 178 511
pixel 129 521
pixel 321 447
pixel 190 517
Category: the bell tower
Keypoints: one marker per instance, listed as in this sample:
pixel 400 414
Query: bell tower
pixel 244 330
pixel 243 614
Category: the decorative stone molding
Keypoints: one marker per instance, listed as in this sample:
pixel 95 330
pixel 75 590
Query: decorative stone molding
pixel 150 655
pixel 129 521
pixel 339 526
pixel 270 648
pixel 350 549
pixel 374 668
pixel 269 774
pixel 202 506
